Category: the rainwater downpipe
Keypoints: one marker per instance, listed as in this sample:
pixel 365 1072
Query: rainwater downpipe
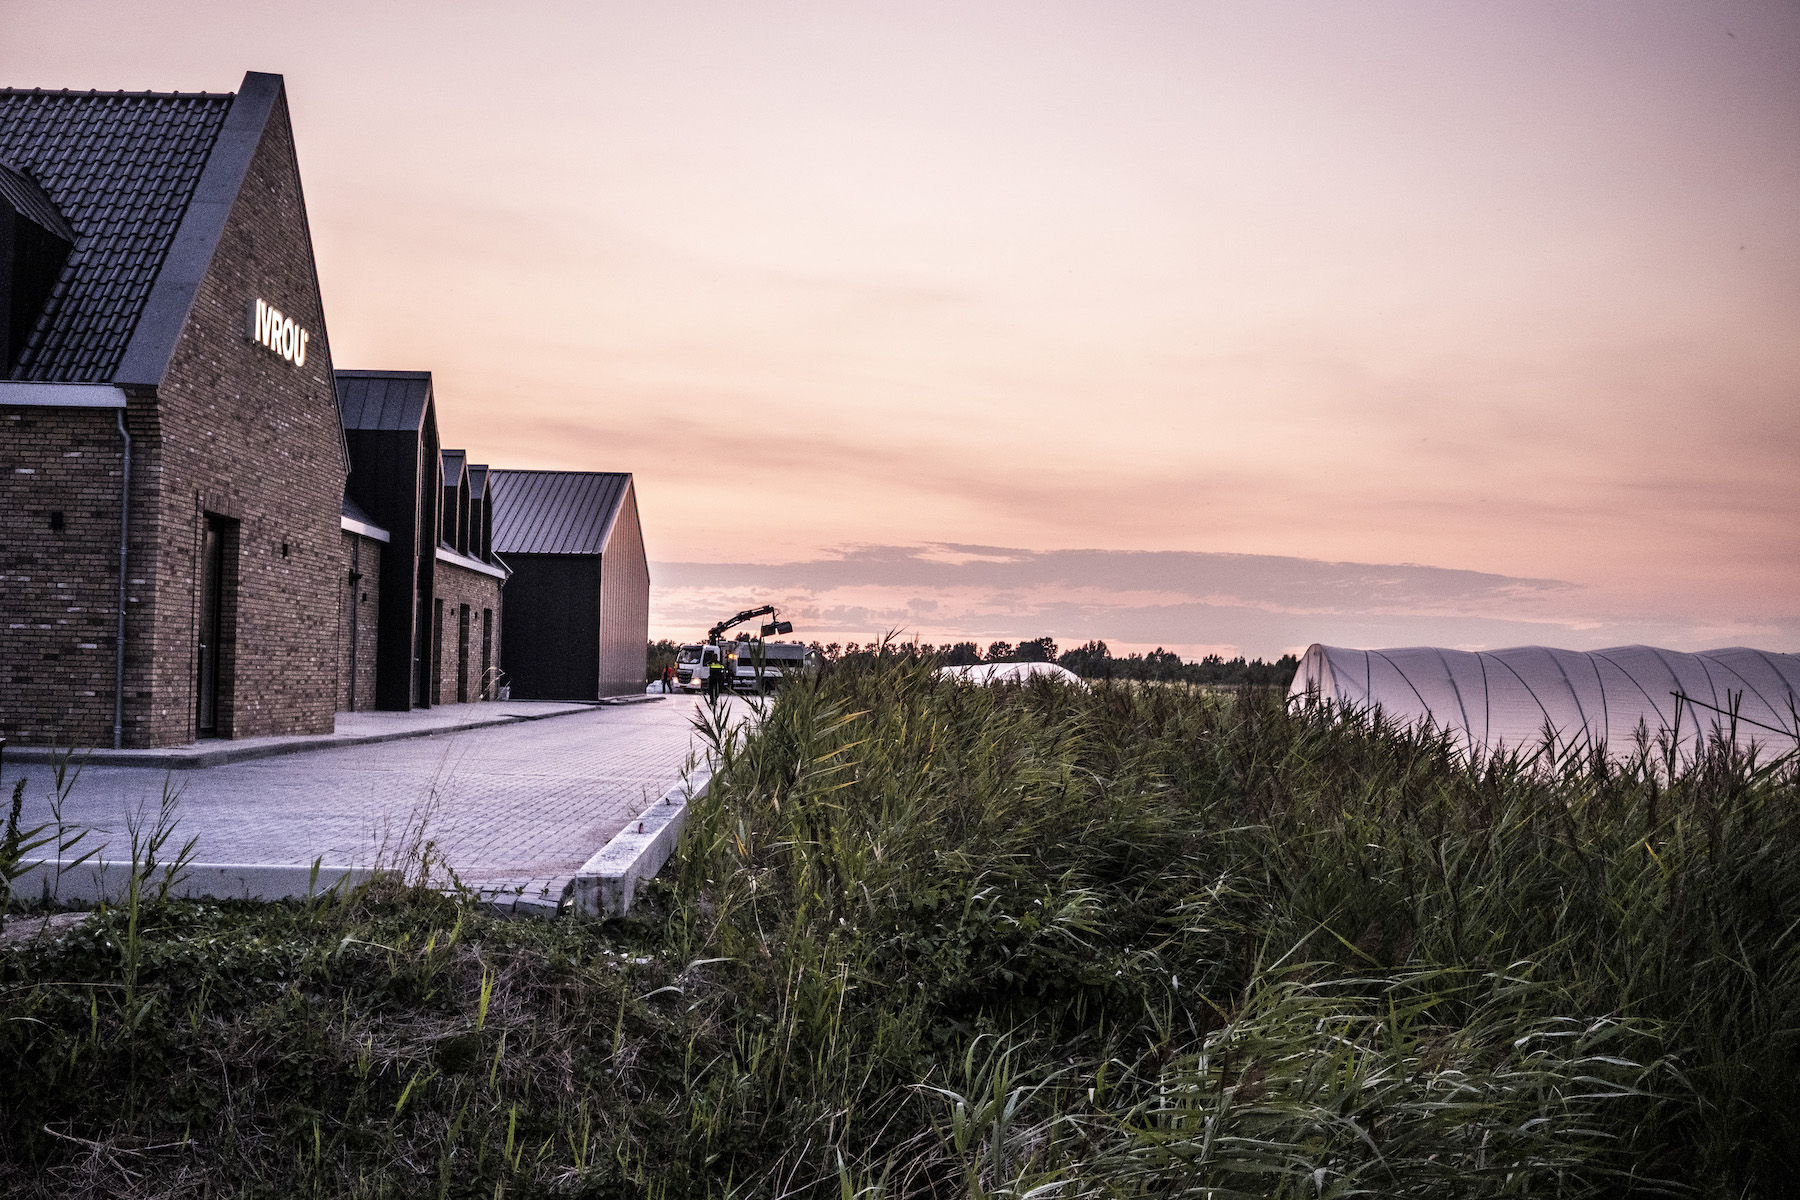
pixel 119 635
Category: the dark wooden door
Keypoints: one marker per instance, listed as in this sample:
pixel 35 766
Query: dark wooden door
pixel 212 611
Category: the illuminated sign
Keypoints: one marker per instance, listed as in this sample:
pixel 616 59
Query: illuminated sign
pixel 265 325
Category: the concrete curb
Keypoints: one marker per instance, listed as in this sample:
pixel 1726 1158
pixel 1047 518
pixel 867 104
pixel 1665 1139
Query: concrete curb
pixel 184 759
pixel 94 881
pixel 607 882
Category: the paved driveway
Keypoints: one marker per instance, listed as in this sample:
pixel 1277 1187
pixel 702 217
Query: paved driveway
pixel 513 805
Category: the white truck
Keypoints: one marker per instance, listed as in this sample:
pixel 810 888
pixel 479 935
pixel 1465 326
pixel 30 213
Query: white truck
pixel 761 666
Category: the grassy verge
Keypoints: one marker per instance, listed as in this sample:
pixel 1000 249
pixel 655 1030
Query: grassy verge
pixel 925 939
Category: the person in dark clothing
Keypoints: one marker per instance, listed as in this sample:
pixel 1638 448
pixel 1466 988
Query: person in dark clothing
pixel 715 673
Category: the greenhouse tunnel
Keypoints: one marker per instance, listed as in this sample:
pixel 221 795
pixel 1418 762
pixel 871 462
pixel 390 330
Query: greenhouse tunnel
pixel 1511 699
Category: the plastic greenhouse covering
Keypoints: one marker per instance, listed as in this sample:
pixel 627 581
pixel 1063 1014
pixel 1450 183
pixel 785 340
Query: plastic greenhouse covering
pixel 1510 699
pixel 984 673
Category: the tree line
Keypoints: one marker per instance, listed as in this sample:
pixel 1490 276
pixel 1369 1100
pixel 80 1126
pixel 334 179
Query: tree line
pixel 1091 660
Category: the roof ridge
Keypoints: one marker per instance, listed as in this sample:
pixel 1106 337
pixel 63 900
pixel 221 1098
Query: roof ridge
pixel 151 344
pixel 551 471
pixel 127 95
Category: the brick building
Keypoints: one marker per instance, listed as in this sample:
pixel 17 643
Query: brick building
pixel 205 530
pixel 167 404
pixel 420 517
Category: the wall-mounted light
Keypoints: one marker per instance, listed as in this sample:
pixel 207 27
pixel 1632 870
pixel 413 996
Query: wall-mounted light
pixel 56 521
pixel 284 550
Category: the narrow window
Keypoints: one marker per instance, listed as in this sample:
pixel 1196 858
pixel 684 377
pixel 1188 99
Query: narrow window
pixel 462 654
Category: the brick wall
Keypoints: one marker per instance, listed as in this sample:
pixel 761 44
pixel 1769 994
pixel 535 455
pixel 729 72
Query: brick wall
pixel 241 433
pixel 359 604
pixel 58 588
pixel 456 587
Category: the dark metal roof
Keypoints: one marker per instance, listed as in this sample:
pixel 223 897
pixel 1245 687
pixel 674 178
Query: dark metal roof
pixel 453 466
pixel 383 400
pixel 354 511
pixel 478 474
pixel 555 512
pixel 121 168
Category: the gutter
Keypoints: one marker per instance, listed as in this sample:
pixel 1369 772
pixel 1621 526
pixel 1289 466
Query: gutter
pixel 352 525
pixel 447 555
pixel 124 544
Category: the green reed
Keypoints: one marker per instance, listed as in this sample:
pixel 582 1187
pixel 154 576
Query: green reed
pixel 927 939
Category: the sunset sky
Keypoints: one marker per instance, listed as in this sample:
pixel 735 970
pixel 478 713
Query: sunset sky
pixel 1163 323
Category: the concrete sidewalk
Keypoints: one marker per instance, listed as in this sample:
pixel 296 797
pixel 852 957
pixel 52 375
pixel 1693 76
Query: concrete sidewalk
pixel 518 805
pixel 353 729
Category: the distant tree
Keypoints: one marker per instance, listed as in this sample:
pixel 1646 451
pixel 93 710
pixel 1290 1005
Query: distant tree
pixel 962 654
pixel 657 655
pixel 999 652
pixel 831 649
pixel 1164 665
pixel 1092 661
pixel 1037 650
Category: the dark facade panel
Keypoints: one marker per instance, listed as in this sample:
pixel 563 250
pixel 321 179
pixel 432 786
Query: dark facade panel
pixel 554 512
pixel 455 532
pixel 390 427
pixel 354 512
pixel 550 635
pixel 481 513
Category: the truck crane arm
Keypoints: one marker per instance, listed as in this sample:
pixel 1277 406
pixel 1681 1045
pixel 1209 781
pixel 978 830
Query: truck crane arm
pixel 767 610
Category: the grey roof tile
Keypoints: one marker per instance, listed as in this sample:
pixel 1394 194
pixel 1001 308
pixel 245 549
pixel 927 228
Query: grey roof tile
pixel 121 168
pixel 555 512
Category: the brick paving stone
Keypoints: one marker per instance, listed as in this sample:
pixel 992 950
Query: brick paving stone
pixel 519 805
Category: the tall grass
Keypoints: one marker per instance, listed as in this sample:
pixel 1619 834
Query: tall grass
pixel 1229 946
pixel 926 939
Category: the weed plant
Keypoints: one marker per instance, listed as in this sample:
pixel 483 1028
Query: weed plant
pixel 929 939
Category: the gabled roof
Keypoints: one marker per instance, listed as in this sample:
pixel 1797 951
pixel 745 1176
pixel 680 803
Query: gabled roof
pixel 454 461
pixel 146 180
pixel 393 401
pixel 556 512
pixel 478 480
